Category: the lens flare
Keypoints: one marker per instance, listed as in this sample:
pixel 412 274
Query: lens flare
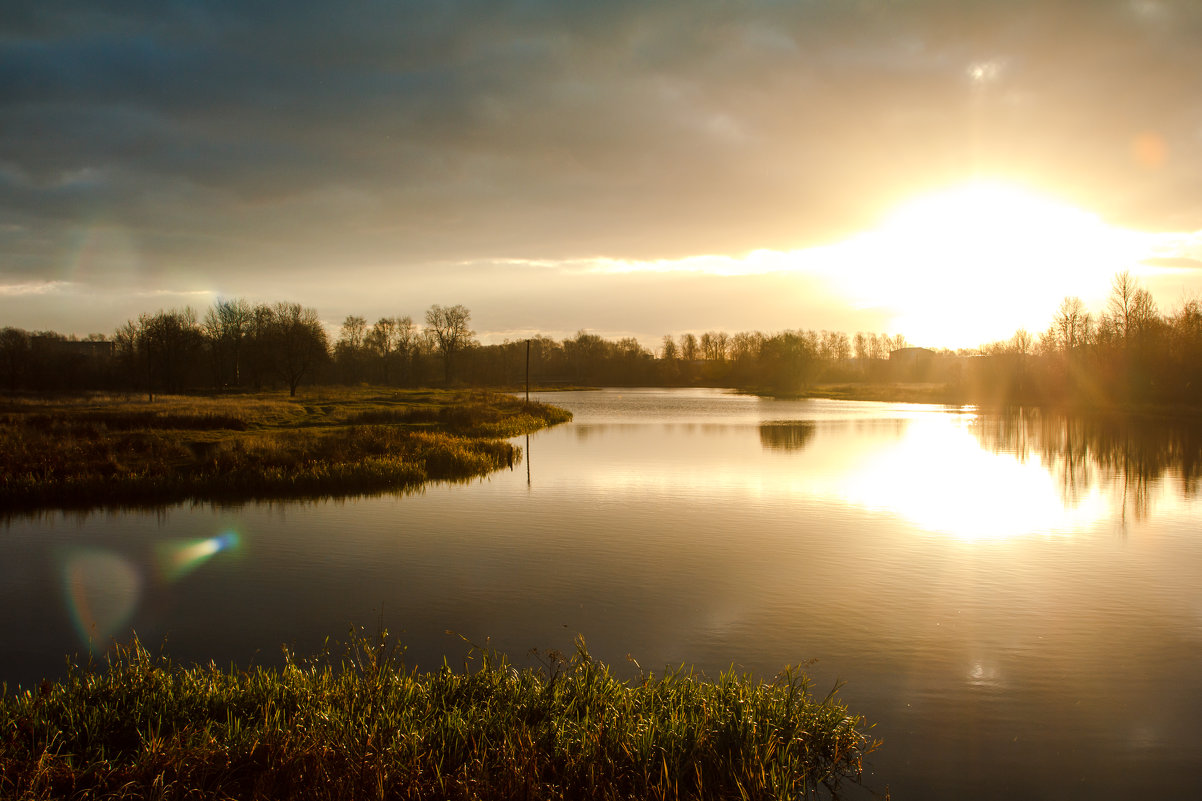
pixel 102 591
pixel 178 559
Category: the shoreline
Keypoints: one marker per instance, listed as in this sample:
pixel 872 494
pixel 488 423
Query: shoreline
pixel 90 452
pixel 944 395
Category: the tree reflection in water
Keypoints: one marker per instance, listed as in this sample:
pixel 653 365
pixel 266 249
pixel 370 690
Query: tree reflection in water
pixel 1082 451
pixel 786 435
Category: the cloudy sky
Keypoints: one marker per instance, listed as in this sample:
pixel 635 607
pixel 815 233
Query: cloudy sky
pixel 945 169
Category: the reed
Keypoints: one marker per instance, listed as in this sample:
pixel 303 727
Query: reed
pixel 74 453
pixel 364 726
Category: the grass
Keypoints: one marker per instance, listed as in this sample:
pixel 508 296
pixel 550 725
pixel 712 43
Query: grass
pixel 364 726
pixel 103 451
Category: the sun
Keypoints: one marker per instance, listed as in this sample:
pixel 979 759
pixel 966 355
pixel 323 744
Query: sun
pixel 973 263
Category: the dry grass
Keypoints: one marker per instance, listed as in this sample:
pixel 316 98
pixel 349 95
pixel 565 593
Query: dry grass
pixel 103 450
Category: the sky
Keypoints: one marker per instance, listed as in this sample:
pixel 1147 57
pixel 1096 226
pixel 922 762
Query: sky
pixel 944 169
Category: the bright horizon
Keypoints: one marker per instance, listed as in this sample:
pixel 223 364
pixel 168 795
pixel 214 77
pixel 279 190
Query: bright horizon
pixel 948 174
pixel 1026 252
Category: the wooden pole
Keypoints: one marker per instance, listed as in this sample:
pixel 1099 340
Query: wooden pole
pixel 527 371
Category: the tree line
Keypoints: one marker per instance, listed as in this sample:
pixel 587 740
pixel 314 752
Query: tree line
pixel 237 345
pixel 1129 352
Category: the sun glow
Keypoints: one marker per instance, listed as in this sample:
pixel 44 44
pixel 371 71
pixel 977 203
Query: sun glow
pixel 974 263
pixel 956 268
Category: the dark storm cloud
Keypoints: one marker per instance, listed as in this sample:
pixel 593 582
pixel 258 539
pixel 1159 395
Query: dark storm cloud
pixel 240 134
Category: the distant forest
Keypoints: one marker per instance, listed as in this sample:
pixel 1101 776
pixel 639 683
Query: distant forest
pixel 1127 353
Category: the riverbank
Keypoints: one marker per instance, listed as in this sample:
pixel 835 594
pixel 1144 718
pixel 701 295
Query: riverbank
pixel 364 726
pixel 911 392
pixel 92 451
pixel 948 395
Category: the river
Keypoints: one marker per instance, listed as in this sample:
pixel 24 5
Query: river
pixel 1014 601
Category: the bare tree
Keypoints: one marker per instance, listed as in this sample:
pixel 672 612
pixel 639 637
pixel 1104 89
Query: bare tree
pixel 745 346
pixel 670 351
pixel 449 326
pixel 1022 343
pixel 379 343
pixel 834 347
pixel 689 349
pixel 353 331
pixel 1077 322
pixel 165 343
pixel 404 344
pixel 714 345
pixel 1121 305
pixel 389 343
pixel 1186 324
pixel 227 325
pixel 14 356
pixel 878 346
pixel 349 351
pixel 1144 315
pixel 1071 326
pixel 299 343
pixel 257 362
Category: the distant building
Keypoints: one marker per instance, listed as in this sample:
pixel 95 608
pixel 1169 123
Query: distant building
pixel 87 350
pixel 912 364
pixel 910 357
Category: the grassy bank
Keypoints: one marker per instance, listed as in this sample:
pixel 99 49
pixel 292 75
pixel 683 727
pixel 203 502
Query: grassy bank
pixel 98 451
pixel 363 726
pixel 944 394
pixel 887 392
pixel 892 393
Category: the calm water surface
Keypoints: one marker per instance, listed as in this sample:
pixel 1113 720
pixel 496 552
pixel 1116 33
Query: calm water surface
pixel 1016 602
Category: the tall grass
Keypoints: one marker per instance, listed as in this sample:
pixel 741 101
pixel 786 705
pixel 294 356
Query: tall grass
pixel 75 454
pixel 365 726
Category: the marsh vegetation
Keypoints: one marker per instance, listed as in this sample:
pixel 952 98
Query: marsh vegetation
pixel 365 726
pixel 110 450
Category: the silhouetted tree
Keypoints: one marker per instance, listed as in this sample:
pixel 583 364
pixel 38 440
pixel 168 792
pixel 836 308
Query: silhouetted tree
pixel 1185 351
pixel 714 345
pixel 389 343
pixel 450 328
pixel 585 353
pixel 299 343
pixel 1022 343
pixel 227 326
pixel 669 351
pixel 258 356
pixel 349 351
pixel 787 361
pixel 1130 307
pixel 164 345
pixel 861 347
pixel 14 357
pixel 689 349
pixel 1071 328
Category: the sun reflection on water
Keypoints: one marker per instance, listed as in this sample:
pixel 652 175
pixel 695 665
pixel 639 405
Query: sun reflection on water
pixel 939 477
